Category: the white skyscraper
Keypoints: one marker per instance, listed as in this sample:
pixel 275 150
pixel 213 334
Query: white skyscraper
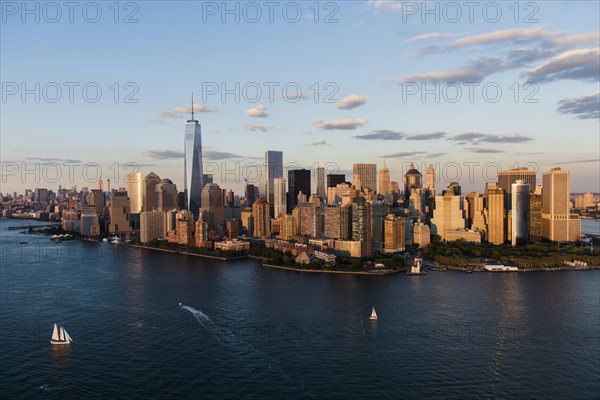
pixel 280 196
pixel 135 190
pixel 193 178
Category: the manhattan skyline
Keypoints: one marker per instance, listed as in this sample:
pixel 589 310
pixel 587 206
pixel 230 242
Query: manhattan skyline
pixel 367 61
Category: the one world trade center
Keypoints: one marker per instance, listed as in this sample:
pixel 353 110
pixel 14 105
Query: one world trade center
pixel 193 178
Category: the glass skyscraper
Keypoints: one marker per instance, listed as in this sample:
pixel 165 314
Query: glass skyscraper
pixel 193 178
pixel 274 169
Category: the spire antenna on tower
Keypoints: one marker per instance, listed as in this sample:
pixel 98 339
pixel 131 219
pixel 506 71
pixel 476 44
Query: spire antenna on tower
pixel 192 106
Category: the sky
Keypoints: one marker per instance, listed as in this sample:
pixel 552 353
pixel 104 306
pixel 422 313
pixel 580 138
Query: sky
pixel 104 88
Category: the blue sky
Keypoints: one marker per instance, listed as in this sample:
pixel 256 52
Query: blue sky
pixel 367 60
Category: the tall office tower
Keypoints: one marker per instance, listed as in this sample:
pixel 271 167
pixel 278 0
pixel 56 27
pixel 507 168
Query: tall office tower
pixel 475 215
pixel 287 227
pixel 508 177
pixel 535 217
pixel 248 221
pixel 308 218
pixel 321 182
pixel 280 196
pixel 262 219
pixel 193 172
pixel 212 211
pixel 166 195
pixel 496 213
pixel 152 226
pixel 201 233
pixel 185 228
pixel 588 200
pixel 394 232
pixel 234 228
pixel 98 201
pixel 416 202
pixel 395 188
pixel 384 180
pixel 361 224
pixel 413 179
pixel 558 224
pixel 338 222
pixel 378 211
pixel 135 190
pixel 430 177
pixel 335 179
pixel 251 195
pixel 421 234
pixel 41 195
pixel 367 174
pixel 150 182
pixel 455 187
pixel 228 198
pixel 520 213
pixel 298 181
pixel 274 167
pixel 119 213
pixel 448 214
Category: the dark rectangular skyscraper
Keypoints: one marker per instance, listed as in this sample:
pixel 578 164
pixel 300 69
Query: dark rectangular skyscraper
pixel 335 179
pixel 298 181
pixel 274 169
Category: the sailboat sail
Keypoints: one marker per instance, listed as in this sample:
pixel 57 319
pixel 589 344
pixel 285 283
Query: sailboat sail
pixel 68 337
pixel 55 333
pixel 373 314
pixel 62 334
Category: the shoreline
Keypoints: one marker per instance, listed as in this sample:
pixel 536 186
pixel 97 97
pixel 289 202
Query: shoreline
pixel 187 253
pixel 382 273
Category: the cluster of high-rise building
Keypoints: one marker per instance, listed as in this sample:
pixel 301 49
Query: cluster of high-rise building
pixel 367 214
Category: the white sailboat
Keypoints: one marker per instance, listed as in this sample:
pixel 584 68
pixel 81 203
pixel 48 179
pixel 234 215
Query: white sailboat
pixel 60 336
pixel 373 316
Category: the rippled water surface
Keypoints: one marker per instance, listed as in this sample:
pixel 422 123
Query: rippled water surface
pixel 247 331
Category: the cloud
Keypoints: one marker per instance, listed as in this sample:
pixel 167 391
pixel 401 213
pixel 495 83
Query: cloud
pixel 318 143
pixel 257 112
pixel 163 154
pixel 476 138
pixel 589 160
pixel 585 107
pixel 255 128
pixel 426 136
pixel 341 124
pixel 54 160
pixel 579 39
pixel 180 112
pixel 430 36
pixel 405 154
pixel 386 5
pixel 514 35
pixel 382 135
pixel 475 71
pixel 583 64
pixel 352 101
pixel 218 155
pixel 484 151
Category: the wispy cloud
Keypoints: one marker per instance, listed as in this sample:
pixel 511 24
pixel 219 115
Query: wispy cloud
pixel 318 143
pixel 430 36
pixel 54 160
pixel 181 112
pixel 257 112
pixel 578 39
pixel 514 35
pixel 382 135
pixel 581 64
pixel 477 137
pixel 257 128
pixel 405 154
pixel 218 155
pixel 352 101
pixel 484 151
pixel 163 154
pixel 341 124
pixel 427 136
pixel 584 107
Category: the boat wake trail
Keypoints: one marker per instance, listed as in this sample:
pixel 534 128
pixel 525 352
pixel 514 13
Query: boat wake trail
pixel 257 363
